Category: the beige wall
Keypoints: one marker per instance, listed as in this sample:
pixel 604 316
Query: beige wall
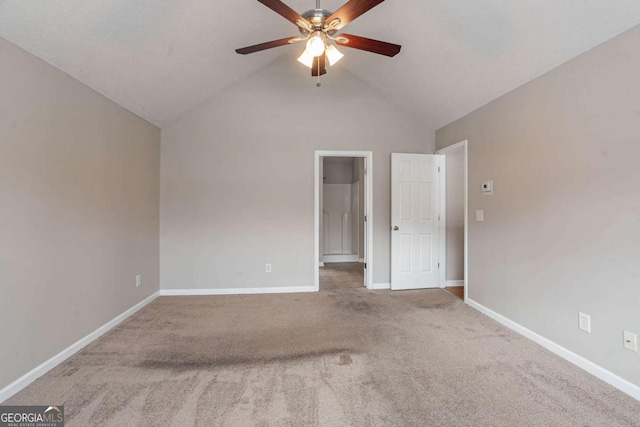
pixel 561 232
pixel 454 168
pixel 238 176
pixel 79 188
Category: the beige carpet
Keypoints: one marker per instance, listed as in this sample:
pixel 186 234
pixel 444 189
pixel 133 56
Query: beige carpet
pixel 335 358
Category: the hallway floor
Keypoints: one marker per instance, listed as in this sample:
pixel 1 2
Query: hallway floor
pixel 342 275
pixel 456 290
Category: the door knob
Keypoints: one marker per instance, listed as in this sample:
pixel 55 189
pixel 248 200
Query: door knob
pixel 396 228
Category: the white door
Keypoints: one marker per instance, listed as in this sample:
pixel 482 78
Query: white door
pixel 414 221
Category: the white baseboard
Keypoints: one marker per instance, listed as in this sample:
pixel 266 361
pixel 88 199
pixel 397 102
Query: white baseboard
pixel 321 264
pixel 598 371
pixel 45 367
pixel 380 286
pixel 453 283
pixel 237 291
pixel 339 258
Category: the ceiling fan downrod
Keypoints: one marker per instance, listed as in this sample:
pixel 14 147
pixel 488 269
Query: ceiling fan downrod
pixel 318 84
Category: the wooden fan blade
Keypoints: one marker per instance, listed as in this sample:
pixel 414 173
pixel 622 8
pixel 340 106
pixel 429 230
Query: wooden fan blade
pixel 283 10
pixel 351 10
pixel 268 45
pixel 370 45
pixel 321 61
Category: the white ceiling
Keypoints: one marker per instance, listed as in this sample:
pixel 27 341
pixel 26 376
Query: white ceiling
pixel 161 58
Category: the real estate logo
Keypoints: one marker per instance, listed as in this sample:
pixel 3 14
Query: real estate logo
pixel 32 416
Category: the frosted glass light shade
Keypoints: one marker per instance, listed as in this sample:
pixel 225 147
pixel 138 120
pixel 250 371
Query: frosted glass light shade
pixel 306 59
pixel 315 46
pixel 333 54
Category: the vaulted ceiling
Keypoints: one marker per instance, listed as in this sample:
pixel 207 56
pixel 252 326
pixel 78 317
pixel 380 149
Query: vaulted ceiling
pixel 161 58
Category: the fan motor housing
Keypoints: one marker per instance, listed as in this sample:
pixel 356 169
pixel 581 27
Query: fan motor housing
pixel 317 18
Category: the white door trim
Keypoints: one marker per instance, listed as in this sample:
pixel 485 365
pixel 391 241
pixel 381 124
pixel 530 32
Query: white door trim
pixel 442 224
pixel 463 145
pixel 368 155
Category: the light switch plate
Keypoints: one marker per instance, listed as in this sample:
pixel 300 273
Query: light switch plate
pixel 479 215
pixel 487 188
pixel 630 341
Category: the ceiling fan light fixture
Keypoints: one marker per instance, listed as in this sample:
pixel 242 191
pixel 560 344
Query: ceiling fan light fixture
pixel 333 55
pixel 303 24
pixel 331 26
pixel 306 59
pixel 315 45
pixel 319 30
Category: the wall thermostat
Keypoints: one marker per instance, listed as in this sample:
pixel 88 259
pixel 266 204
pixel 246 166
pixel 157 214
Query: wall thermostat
pixel 487 188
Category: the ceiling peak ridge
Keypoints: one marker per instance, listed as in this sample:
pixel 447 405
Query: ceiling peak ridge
pixel 217 94
pixel 390 101
pixel 134 108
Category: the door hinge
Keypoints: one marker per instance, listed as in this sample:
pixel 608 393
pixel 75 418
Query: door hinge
pixel 365 218
pixel 438 265
pixel 365 265
pixel 438 168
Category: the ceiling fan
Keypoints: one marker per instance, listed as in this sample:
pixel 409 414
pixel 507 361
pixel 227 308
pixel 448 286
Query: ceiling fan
pixel 319 27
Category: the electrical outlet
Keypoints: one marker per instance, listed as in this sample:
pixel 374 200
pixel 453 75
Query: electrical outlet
pixel 267 268
pixel 479 215
pixel 630 341
pixel 138 280
pixel 585 322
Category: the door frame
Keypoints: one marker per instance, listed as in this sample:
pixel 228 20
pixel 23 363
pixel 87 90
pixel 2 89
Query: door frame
pixel 368 200
pixel 462 145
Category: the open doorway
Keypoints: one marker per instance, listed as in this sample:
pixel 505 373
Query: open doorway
pixel 343 219
pixel 342 223
pixel 454 219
